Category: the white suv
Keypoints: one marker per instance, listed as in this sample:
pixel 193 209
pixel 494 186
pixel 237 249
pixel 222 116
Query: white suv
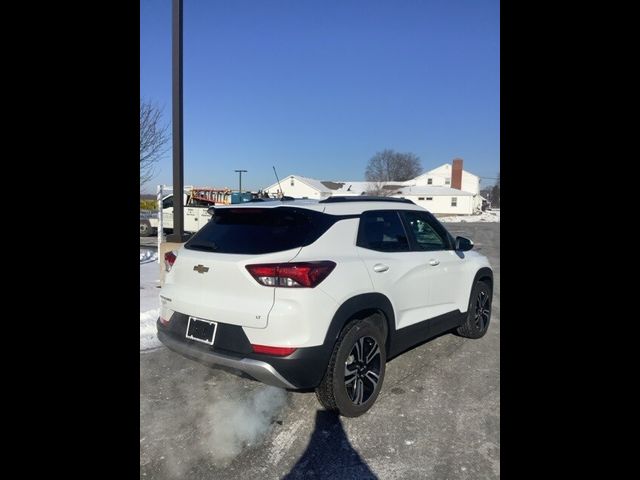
pixel 307 294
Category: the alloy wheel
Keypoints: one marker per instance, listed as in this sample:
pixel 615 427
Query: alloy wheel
pixel 362 370
pixel 482 311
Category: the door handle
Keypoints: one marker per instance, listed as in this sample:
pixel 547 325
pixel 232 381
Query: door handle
pixel 433 262
pixel 379 267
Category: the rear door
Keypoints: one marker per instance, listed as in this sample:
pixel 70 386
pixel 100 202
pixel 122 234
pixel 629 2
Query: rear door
pixel 167 212
pixel 191 219
pixel 396 271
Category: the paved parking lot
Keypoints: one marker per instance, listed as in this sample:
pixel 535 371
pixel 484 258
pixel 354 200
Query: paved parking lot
pixel 438 415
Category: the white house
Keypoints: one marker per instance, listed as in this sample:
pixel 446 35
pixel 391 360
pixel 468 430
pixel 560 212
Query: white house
pixel 447 189
pixel 299 187
pixel 440 199
pixel 444 176
pixel 303 187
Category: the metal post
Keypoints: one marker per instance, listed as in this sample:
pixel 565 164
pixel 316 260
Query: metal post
pixel 159 196
pixel 240 186
pixel 178 160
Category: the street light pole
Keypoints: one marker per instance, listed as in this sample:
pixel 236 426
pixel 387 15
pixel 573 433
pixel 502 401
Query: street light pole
pixel 177 137
pixel 240 172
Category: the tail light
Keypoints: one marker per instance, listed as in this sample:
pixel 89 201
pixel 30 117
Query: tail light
pixel 169 260
pixel 275 351
pixel 291 275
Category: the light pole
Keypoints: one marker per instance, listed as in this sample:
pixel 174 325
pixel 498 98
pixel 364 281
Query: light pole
pixel 240 173
pixel 177 126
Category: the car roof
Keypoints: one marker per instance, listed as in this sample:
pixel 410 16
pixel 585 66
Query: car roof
pixel 334 205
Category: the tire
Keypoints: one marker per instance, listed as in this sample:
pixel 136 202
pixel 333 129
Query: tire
pixel 353 394
pixel 146 230
pixel 478 313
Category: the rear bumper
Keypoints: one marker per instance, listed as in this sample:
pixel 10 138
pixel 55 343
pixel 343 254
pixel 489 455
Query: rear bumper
pixel 303 369
pixel 261 371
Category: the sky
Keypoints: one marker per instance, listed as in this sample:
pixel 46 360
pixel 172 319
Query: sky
pixel 316 88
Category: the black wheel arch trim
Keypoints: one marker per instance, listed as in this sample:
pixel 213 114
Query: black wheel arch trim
pixel 361 306
pixel 397 341
pixel 482 274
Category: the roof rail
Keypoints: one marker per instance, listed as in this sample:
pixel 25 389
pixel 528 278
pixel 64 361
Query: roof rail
pixel 364 198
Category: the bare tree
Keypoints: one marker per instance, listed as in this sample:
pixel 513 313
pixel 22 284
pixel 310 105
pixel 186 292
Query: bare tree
pixel 391 166
pixel 381 189
pixel 375 189
pixel 154 140
pixel 495 193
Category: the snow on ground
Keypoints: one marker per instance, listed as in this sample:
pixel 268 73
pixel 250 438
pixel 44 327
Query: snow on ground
pixel 149 301
pixel 488 216
pixel 147 256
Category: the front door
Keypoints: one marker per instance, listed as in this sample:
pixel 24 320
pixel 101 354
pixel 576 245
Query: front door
pixel 441 263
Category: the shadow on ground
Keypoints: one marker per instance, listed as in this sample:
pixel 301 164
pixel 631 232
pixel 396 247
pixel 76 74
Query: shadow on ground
pixel 329 453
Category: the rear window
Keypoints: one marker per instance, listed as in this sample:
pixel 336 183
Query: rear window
pixel 260 230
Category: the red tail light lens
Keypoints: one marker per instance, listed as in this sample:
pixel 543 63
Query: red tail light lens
pixel 291 275
pixel 275 351
pixel 169 260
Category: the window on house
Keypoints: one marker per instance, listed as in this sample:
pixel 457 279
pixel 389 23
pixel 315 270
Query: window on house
pixel 447 181
pixel 420 198
pixel 429 181
pixel 429 198
pixel 292 181
pixel 454 201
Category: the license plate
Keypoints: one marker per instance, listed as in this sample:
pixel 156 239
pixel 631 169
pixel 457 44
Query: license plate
pixel 201 330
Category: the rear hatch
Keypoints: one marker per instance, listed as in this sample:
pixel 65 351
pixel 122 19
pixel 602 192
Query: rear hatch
pixel 209 278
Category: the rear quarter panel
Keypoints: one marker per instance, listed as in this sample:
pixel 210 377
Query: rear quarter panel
pixel 300 317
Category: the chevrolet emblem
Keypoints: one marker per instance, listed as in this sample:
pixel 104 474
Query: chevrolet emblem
pixel 200 269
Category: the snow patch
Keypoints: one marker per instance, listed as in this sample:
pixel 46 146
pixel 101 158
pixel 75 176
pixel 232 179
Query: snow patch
pixel 147 256
pixel 488 216
pixel 148 329
pixel 283 441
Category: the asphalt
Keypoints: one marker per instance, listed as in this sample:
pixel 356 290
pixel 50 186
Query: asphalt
pixel 438 415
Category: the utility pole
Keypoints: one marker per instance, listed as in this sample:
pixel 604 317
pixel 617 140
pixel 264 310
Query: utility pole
pixel 176 100
pixel 240 172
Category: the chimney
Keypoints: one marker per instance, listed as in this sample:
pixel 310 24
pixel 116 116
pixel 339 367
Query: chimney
pixel 456 174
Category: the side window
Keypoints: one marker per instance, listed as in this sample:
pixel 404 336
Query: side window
pixel 383 231
pixel 424 235
pixel 167 202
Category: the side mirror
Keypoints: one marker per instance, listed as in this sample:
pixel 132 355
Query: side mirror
pixel 463 244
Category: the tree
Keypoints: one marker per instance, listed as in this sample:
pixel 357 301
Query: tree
pixel 390 166
pixel 377 189
pixel 154 140
pixel 495 193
